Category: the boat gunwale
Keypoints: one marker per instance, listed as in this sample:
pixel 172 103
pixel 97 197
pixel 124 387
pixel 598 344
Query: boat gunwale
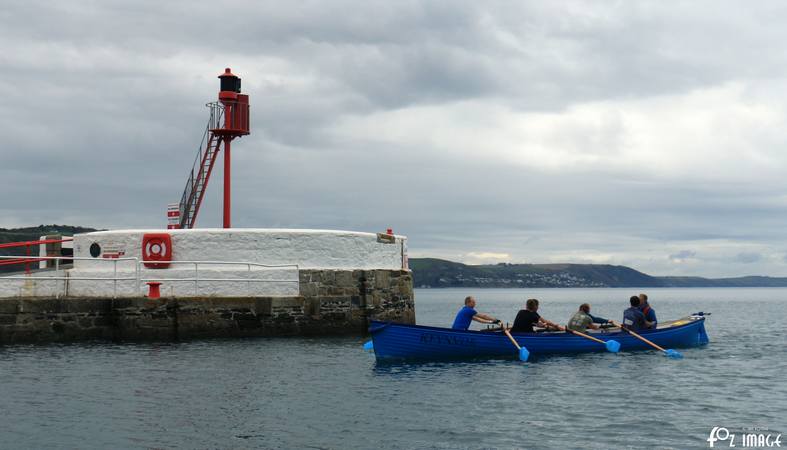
pixel 692 321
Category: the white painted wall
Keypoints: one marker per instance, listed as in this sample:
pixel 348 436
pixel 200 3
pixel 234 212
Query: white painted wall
pixel 308 249
pixel 211 281
pixel 25 286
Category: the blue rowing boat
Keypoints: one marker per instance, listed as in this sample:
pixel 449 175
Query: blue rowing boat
pixel 400 341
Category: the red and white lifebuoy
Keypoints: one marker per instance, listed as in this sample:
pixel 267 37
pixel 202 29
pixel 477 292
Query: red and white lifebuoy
pixel 156 247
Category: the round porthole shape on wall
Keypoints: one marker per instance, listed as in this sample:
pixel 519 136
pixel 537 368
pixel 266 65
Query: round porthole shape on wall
pixel 95 249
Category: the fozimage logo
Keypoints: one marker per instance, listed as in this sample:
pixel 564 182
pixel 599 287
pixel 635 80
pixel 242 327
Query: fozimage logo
pixel 751 437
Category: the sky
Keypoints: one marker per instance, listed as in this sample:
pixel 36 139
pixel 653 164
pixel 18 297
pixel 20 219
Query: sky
pixel 641 133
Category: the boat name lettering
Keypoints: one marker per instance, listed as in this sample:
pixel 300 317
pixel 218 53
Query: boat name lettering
pixel 431 338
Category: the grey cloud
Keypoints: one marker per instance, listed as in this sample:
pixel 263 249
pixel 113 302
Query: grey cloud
pixel 682 255
pixel 748 257
pixel 103 111
pixel 533 55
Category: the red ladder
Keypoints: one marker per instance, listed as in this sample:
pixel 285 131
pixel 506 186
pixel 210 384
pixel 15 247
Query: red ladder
pixel 228 120
pixel 197 182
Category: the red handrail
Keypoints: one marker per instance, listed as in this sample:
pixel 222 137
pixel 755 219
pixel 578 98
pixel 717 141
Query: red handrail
pixel 27 245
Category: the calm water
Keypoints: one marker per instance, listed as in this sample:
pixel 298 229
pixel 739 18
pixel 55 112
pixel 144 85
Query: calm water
pixel 328 393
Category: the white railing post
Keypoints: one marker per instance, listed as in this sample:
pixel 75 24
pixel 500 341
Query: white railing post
pixel 57 269
pixel 115 279
pixel 196 279
pixel 138 274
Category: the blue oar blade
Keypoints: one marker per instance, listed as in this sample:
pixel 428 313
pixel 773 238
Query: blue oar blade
pixel 673 353
pixel 613 346
pixel 368 346
pixel 523 354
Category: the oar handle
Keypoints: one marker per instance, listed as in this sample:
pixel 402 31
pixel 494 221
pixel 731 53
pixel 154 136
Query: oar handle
pixel 638 336
pixel 578 333
pixel 516 344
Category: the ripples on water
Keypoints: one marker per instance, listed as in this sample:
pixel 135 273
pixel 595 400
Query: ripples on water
pixel 328 393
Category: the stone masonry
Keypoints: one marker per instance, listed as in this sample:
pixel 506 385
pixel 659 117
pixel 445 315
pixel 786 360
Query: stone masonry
pixel 330 302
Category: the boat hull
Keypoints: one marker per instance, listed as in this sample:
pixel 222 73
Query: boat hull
pixel 401 341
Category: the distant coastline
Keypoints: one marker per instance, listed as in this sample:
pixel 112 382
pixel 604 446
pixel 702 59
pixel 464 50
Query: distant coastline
pixel 439 273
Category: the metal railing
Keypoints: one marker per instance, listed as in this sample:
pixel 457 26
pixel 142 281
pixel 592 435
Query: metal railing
pixel 66 279
pixel 216 118
pixel 196 180
pixel 197 278
pixel 28 258
pixel 138 272
pixel 229 116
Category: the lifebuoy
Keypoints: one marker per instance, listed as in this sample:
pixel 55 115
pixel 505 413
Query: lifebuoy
pixel 157 247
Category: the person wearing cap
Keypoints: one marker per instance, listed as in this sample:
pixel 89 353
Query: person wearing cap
pixel 650 313
pixel 468 314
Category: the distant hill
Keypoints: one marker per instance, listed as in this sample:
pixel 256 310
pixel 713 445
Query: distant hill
pixel 32 234
pixel 436 273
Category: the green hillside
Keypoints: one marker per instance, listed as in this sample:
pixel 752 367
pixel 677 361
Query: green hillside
pixel 436 273
pixel 430 272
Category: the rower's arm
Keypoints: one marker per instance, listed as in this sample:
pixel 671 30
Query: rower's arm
pixel 597 319
pixel 652 318
pixel 484 318
pixel 547 323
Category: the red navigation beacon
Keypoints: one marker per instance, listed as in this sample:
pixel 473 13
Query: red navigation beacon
pixel 236 123
pixel 229 119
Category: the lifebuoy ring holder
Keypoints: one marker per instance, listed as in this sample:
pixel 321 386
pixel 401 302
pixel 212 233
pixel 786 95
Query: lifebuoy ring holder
pixel 156 250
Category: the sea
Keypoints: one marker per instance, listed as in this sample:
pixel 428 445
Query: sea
pixel 328 393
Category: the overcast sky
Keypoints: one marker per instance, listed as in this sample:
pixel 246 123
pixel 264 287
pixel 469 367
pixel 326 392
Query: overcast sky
pixel 647 134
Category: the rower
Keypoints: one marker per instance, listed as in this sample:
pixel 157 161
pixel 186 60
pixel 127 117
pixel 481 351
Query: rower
pixel 468 313
pixel 582 320
pixel 633 319
pixel 528 317
pixel 650 313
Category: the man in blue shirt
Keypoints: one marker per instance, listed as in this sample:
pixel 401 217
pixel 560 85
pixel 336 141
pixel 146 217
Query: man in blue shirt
pixel 633 319
pixel 650 314
pixel 468 313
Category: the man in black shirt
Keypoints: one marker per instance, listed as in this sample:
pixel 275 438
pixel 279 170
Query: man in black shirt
pixel 527 318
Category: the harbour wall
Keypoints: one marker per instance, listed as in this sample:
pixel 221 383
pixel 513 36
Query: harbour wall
pixel 213 283
pixel 235 262
pixel 329 302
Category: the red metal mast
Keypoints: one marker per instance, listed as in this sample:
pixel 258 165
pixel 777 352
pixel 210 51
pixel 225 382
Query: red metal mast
pixel 229 118
pixel 236 123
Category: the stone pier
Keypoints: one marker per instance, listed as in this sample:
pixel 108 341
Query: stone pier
pixel 329 302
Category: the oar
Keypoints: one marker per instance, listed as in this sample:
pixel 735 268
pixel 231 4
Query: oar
pixel 612 345
pixel 667 352
pixel 523 353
